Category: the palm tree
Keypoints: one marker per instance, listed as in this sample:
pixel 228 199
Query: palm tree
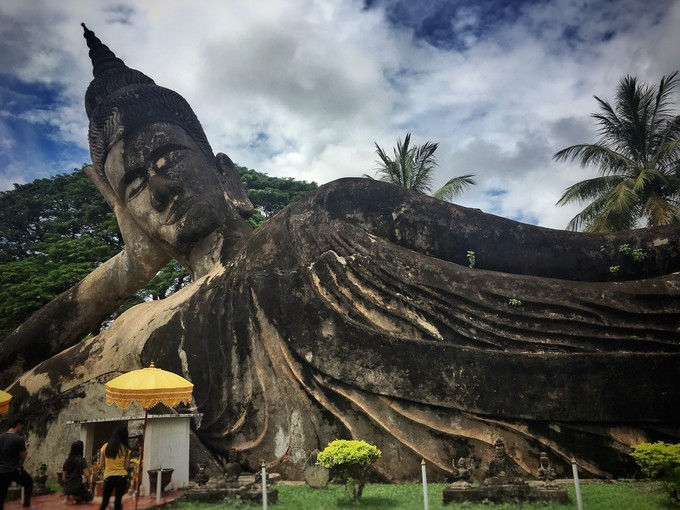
pixel 638 159
pixel 413 168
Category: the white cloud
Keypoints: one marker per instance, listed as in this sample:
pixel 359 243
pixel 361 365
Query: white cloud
pixel 303 88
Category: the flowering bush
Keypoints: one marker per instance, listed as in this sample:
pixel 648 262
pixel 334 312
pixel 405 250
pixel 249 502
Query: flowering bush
pixel 349 462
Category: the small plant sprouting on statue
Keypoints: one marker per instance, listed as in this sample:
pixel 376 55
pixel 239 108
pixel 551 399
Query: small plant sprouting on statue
pixel 661 461
pixel 638 254
pixel 471 259
pixel 349 462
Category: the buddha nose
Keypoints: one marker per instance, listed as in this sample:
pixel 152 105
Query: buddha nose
pixel 163 191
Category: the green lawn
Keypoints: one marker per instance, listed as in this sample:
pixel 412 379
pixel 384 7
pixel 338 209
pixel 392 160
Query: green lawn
pixel 596 496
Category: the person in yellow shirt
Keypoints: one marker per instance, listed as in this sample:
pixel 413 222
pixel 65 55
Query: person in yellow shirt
pixel 114 461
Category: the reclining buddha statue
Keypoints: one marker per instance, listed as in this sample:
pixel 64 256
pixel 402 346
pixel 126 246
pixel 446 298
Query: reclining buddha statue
pixel 353 313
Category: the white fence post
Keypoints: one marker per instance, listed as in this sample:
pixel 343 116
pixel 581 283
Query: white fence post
pixel 577 487
pixel 426 503
pixel 158 484
pixel 264 486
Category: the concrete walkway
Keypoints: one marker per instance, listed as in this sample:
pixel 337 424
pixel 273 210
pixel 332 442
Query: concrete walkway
pixel 57 500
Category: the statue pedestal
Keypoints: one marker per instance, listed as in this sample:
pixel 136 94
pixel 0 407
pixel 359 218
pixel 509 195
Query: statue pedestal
pixel 166 478
pixel 518 493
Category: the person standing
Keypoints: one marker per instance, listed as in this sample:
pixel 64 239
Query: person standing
pixel 114 460
pixel 12 454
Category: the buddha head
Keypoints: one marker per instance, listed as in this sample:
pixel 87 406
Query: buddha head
pixel 148 144
pixel 499 446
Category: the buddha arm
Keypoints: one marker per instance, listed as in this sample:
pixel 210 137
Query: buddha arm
pixel 70 316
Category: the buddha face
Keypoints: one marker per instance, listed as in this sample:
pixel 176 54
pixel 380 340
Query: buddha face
pixel 167 184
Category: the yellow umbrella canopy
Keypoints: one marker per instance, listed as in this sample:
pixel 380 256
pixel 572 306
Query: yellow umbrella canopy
pixel 4 401
pixel 148 387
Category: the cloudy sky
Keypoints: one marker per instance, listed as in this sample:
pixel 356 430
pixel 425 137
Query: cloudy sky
pixel 303 89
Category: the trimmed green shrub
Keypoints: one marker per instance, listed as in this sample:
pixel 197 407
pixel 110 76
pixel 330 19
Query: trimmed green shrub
pixel 662 461
pixel 349 462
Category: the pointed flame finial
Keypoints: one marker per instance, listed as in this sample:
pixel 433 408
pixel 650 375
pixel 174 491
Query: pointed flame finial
pixel 100 54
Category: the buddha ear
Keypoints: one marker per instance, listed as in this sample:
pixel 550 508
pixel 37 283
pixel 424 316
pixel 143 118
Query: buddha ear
pixel 233 186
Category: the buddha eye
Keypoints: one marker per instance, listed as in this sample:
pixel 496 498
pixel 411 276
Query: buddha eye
pixel 134 182
pixel 171 158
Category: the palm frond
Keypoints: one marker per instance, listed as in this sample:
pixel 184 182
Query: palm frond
pixel 608 160
pixel 667 151
pixel 455 187
pixel 646 178
pixel 589 189
pixel 659 211
pixel 665 93
pixel 586 216
pixel 424 163
pixel 403 158
pixel 388 169
pixel 623 198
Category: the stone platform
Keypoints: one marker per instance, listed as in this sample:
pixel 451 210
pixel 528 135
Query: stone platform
pixel 215 495
pixel 245 488
pixel 505 494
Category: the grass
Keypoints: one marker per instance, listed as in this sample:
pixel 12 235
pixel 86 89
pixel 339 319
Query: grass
pixel 596 496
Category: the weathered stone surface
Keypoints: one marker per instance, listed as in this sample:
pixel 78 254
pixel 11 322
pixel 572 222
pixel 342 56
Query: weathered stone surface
pixel 323 327
pixel 512 494
pixel 316 476
pixel 353 313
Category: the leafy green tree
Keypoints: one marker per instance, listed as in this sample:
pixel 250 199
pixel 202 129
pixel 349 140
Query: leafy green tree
pixel 271 194
pixel 349 462
pixel 637 157
pixel 53 232
pixel 413 168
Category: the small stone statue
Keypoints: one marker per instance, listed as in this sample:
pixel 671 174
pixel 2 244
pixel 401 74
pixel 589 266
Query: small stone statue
pixel 41 478
pixel 546 473
pixel 501 468
pixel 201 476
pixel 232 468
pixel 462 472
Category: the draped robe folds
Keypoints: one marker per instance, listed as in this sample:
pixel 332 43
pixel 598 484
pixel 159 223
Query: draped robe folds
pixel 353 313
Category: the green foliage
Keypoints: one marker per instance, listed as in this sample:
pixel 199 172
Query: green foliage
pixel 413 168
pixel 471 258
pixel 661 461
pixel 637 157
pixel 638 255
pixel 514 302
pixel 53 232
pixel 349 462
pixel 271 194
